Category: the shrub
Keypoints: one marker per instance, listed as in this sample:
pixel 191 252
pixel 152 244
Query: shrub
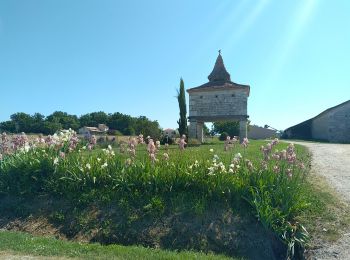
pixel 193 142
pixel 167 140
pixel 114 132
pixel 223 136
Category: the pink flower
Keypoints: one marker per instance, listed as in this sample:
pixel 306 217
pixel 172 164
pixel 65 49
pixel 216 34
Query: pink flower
pixel 62 155
pixel 151 148
pixel 245 142
pixel 182 142
pixel 153 157
pixel 276 169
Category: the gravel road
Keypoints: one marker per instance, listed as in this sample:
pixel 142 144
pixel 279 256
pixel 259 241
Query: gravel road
pixel 333 162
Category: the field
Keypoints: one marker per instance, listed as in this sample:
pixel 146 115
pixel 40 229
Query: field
pixel 240 201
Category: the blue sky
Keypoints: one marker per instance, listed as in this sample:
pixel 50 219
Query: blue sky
pixel 128 56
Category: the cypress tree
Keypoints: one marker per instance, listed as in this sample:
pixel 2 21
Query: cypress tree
pixel 181 98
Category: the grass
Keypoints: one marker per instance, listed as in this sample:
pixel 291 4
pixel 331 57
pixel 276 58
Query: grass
pixel 18 243
pixel 328 215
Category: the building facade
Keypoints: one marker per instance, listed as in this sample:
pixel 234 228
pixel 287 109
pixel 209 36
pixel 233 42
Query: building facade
pixel 332 125
pixel 220 99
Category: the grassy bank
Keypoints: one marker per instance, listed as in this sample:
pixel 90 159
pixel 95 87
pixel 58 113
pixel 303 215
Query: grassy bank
pixel 242 202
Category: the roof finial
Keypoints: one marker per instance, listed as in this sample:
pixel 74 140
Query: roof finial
pixel 220 52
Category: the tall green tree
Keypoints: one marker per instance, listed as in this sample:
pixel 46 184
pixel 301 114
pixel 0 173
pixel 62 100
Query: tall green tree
pixel 181 98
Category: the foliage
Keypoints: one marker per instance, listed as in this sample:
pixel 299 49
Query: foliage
pixel 67 121
pixel 223 136
pixel 272 181
pixel 181 98
pixel 230 127
pixel 37 123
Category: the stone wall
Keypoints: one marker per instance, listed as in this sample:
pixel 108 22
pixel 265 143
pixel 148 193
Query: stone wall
pixel 257 132
pixel 333 125
pixel 218 103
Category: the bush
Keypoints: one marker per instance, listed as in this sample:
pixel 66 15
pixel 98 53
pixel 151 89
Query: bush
pixel 114 132
pixel 166 140
pixel 193 142
pixel 223 136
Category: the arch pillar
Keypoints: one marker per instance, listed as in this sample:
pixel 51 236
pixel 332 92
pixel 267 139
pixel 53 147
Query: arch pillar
pixel 195 130
pixel 242 129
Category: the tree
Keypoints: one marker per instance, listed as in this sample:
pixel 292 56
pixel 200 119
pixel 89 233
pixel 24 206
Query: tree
pixel 206 130
pixel 67 121
pixel 23 122
pixel 147 127
pixel 229 127
pixel 181 98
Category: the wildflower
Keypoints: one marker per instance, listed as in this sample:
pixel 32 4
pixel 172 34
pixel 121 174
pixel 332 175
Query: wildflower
pixel 182 142
pixel 153 157
pixel 93 140
pixel 274 142
pixel 289 173
pixel 249 164
pixel 128 161
pixel 158 144
pixel 245 142
pixel 88 166
pixel 227 143
pixel 264 165
pixel 151 148
pixel 166 146
pixel 55 161
pixel 104 165
pixel 98 159
pixel 140 139
pixel 109 147
pixel 238 156
pixel 276 169
pixel 166 156
pixel 62 155
pixel 211 150
pixel 276 156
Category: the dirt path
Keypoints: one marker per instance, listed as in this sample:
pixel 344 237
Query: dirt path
pixel 333 162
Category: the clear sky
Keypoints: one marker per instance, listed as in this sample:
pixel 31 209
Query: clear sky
pixel 128 56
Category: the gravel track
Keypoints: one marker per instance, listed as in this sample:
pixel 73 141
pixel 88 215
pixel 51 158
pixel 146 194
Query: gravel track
pixel 332 161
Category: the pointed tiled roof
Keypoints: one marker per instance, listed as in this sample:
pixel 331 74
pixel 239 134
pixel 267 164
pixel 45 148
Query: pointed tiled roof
pixel 219 79
pixel 219 72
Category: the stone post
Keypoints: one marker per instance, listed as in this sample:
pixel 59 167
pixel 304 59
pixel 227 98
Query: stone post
pixel 192 129
pixel 200 131
pixel 242 130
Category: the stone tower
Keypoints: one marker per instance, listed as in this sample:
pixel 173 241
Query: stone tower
pixel 220 99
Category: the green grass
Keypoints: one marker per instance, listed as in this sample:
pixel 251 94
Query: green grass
pixel 26 244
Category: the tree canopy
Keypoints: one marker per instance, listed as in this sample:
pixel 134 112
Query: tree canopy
pixel 38 123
